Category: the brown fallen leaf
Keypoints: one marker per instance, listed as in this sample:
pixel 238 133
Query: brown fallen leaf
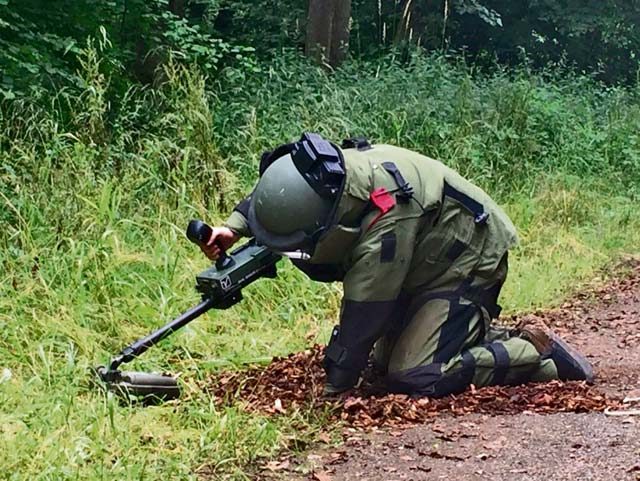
pixel 338 457
pixel 484 456
pixel 438 455
pixel 312 334
pixel 438 428
pixel 321 476
pixel 544 399
pixel 499 443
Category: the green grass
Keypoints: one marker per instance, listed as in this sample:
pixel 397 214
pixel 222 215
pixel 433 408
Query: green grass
pixel 569 234
pixel 94 202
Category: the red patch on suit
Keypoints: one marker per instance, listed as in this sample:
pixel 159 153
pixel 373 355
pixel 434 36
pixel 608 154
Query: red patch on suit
pixel 383 201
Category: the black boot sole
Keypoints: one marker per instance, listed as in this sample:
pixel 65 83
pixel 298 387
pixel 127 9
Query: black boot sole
pixel 571 364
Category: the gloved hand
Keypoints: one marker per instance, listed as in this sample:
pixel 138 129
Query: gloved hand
pixel 331 390
pixel 339 380
pixel 220 236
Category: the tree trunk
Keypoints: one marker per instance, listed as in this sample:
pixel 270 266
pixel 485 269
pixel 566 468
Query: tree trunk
pixel 340 32
pixel 403 26
pixel 328 31
pixel 178 7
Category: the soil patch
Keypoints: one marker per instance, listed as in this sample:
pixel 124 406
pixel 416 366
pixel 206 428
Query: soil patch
pixel 526 447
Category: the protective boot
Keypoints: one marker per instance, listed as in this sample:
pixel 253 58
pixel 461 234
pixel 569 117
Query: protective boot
pixel 571 365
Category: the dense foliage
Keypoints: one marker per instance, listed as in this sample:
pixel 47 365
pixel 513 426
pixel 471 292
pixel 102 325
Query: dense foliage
pixel 40 40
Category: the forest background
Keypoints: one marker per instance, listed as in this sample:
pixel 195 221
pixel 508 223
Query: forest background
pixel 121 120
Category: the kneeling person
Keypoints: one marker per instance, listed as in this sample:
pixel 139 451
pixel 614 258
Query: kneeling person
pixel 422 255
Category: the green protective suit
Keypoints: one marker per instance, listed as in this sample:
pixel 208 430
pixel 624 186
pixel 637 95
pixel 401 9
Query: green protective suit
pixel 422 261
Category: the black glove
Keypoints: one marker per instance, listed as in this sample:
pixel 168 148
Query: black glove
pixel 341 373
pixel 340 380
pixel 361 324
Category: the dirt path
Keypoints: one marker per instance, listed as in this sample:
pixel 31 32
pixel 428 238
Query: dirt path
pixel 528 447
pixel 605 324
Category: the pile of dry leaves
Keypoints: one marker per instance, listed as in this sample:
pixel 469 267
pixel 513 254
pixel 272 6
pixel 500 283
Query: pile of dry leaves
pixel 296 382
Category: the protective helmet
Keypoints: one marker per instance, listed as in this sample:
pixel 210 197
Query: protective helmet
pixel 295 198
